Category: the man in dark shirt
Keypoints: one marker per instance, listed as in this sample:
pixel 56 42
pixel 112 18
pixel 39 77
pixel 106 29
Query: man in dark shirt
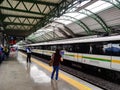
pixel 28 50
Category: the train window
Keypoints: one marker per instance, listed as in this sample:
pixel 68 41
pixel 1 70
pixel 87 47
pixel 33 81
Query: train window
pixel 86 48
pixel 100 48
pixel 82 48
pixel 115 48
pixel 106 48
pixel 38 47
pixel 53 48
pixel 65 47
pixel 97 48
pixel 60 47
pixel 42 47
pixel 112 48
pixel 69 47
pixel 47 47
pixel 77 48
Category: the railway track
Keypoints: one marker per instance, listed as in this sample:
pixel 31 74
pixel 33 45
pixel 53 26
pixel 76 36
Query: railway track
pixel 106 85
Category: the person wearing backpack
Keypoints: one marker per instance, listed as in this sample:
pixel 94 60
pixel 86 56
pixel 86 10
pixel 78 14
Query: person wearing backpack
pixel 28 50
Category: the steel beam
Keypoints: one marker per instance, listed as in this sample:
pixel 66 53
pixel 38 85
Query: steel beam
pixel 1 1
pixel 59 10
pixel 13 23
pixel 39 2
pixel 21 16
pixel 19 10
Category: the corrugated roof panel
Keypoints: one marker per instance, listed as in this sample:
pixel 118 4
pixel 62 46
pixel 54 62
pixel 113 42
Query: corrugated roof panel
pixel 58 32
pixel 19 13
pixel 76 28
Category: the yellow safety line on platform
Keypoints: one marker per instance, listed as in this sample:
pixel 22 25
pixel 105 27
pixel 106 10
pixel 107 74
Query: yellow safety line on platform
pixel 69 80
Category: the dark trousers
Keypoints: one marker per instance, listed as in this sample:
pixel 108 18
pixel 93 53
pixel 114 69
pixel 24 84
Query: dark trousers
pixel 0 59
pixel 55 69
pixel 2 56
pixel 29 57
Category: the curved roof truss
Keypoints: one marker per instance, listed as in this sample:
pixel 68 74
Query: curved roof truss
pixel 67 29
pixel 80 23
pixel 96 18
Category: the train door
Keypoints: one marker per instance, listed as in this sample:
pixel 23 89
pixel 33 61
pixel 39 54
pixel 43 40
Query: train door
pixel 115 63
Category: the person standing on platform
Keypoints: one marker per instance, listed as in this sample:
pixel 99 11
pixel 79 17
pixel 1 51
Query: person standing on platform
pixel 1 54
pixel 5 50
pixel 28 50
pixel 56 57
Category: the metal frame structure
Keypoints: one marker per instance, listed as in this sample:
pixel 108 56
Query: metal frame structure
pixel 20 18
pixel 30 15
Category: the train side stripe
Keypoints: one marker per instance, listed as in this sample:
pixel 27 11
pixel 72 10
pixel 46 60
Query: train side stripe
pixel 79 56
pixel 92 58
pixel 70 55
pixel 116 61
pixel 100 59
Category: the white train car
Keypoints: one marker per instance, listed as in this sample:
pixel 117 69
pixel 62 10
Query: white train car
pixel 100 52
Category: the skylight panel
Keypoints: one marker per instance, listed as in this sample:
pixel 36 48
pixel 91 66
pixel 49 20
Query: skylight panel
pixel 99 6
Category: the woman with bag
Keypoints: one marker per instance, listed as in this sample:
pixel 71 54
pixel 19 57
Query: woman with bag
pixel 56 57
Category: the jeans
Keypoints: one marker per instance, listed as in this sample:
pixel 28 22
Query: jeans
pixel 55 69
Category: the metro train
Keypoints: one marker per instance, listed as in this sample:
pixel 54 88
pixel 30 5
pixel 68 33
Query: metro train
pixel 100 53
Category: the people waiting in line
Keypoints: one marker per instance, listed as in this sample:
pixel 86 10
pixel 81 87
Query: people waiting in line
pixel 28 50
pixel 56 57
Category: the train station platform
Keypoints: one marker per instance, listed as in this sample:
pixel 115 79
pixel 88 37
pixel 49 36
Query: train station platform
pixel 16 74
